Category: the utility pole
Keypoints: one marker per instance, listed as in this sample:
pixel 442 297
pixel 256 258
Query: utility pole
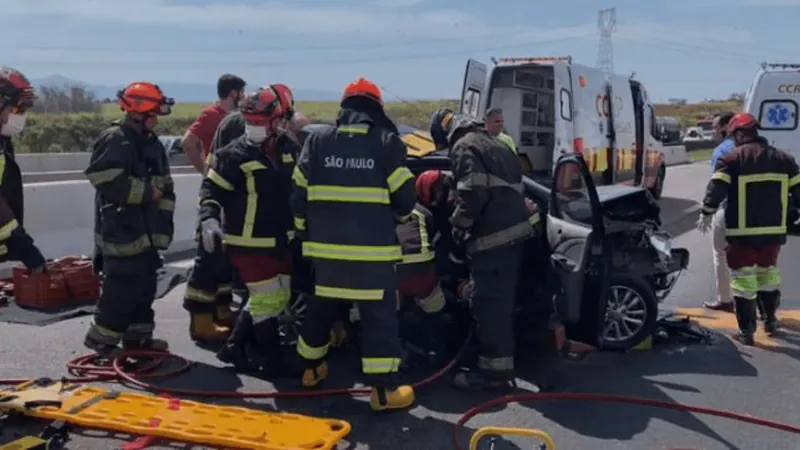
pixel 606 25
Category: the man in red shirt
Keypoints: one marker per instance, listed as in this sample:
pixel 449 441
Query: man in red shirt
pixel 208 293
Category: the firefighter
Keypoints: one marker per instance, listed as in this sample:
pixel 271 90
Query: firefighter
pixel 209 293
pixel 16 96
pixel 491 219
pixel 756 179
pixel 247 186
pixel 351 190
pixel 135 203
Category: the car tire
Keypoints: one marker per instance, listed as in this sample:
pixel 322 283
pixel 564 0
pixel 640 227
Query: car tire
pixel 658 189
pixel 642 305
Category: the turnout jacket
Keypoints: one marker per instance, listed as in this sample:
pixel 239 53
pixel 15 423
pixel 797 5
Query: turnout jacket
pixel 15 243
pixel 351 189
pixel 126 168
pixel 252 187
pixel 490 205
pixel 757 181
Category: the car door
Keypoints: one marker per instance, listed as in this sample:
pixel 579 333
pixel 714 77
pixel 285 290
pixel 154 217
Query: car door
pixel 473 89
pixel 580 254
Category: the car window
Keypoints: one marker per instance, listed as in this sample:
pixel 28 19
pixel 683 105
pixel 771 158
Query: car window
pixel 571 194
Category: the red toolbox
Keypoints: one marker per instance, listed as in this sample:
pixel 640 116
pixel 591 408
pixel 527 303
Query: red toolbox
pixel 66 281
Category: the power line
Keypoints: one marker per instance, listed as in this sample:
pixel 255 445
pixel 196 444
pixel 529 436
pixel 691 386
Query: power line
pixel 684 47
pixel 193 48
pixel 303 62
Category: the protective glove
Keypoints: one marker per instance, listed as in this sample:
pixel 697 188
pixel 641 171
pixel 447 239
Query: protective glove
pixel 705 222
pixel 210 234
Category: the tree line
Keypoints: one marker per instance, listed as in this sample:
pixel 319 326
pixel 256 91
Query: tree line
pixel 66 99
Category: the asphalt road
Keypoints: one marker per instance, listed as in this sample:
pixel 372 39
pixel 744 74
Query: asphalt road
pixel 759 381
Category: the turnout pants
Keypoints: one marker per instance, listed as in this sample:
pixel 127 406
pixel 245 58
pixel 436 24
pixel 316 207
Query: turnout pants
pixel 755 283
pixel 267 278
pixel 209 283
pixel 125 309
pixel 493 297
pixel 381 350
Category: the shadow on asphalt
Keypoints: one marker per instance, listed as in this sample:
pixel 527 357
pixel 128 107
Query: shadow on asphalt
pixel 625 374
pixel 678 215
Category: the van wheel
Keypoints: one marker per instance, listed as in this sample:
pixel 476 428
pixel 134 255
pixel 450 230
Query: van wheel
pixel 631 313
pixel 658 188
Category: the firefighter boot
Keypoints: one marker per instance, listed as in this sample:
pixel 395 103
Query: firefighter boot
pixel 105 351
pixel 312 377
pixel 770 301
pixel 145 344
pixel 746 319
pixel 224 317
pixel 203 328
pixel 382 398
pixel 235 351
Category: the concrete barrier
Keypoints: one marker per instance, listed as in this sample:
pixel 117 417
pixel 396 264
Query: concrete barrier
pixel 675 154
pixel 60 216
pixel 67 162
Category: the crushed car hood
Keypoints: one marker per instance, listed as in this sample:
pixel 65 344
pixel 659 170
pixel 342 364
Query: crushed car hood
pixel 628 203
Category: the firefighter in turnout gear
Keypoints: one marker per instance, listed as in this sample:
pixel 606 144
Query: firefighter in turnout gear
pixel 248 185
pixel 209 295
pixel 135 203
pixel 351 190
pixel 757 180
pixel 491 219
pixel 16 96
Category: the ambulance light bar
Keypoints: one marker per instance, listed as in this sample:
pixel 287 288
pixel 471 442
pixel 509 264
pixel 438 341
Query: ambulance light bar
pixel 536 60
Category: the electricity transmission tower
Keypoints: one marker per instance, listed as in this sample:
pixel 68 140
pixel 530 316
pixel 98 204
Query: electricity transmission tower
pixel 606 25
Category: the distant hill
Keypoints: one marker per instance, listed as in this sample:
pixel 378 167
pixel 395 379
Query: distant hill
pixel 182 92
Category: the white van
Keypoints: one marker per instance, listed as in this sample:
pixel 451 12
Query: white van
pixel 772 100
pixel 552 106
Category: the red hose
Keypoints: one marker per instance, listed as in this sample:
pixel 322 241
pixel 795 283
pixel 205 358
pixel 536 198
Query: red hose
pixel 85 370
pixel 614 398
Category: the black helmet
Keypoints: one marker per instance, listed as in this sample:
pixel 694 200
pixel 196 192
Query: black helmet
pixel 440 126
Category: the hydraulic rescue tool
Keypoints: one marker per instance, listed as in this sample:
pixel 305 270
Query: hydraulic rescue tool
pixel 547 441
pixel 172 418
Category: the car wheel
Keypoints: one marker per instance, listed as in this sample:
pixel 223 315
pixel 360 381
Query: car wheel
pixel 631 313
pixel 658 188
pixel 291 319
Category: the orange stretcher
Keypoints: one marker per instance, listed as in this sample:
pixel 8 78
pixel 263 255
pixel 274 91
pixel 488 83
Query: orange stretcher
pixel 172 418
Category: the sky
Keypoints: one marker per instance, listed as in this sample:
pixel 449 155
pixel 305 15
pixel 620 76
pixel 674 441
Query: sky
pixel 692 49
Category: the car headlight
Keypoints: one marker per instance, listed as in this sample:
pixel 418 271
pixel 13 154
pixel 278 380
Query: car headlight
pixel 662 244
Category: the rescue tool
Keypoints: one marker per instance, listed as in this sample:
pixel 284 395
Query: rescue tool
pixel 172 418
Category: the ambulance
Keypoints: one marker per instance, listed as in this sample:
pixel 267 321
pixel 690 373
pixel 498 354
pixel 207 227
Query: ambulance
pixel 553 106
pixel 772 100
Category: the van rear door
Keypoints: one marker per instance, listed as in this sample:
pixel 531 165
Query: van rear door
pixel 591 117
pixel 474 87
pixel 624 122
pixel 564 141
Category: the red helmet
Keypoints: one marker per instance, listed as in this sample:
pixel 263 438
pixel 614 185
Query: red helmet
pixel 142 97
pixel 363 88
pixel 15 90
pixel 742 121
pixel 268 105
pixel 428 185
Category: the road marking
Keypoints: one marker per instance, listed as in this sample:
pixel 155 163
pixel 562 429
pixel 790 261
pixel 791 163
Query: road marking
pixel 724 321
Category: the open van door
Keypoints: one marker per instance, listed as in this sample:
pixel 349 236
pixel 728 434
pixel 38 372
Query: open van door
pixel 474 87
pixel 580 254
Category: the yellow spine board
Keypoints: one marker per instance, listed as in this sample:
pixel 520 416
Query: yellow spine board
pixel 183 420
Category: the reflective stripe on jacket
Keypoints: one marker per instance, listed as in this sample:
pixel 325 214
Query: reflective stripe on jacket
pixel 757 180
pixel 351 189
pixel 490 203
pixel 126 168
pixel 253 191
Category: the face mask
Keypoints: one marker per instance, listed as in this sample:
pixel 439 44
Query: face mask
pixel 256 135
pixel 14 126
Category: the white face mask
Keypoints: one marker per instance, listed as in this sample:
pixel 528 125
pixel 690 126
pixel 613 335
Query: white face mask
pixel 256 135
pixel 15 125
